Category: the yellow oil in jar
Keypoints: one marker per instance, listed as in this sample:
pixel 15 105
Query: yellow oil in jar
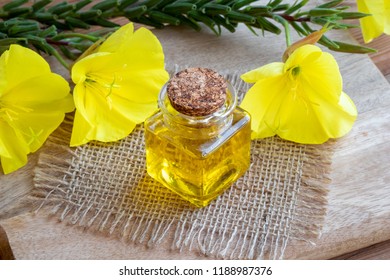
pixel 198 169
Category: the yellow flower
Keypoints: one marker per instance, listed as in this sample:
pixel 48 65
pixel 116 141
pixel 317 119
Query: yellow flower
pixel 300 100
pixel 117 85
pixel 379 20
pixel 33 102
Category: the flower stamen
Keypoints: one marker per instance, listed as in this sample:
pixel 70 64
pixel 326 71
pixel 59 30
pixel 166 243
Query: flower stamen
pixel 33 105
pixel 115 94
pixel 11 112
pixel 34 136
pixel 102 83
pixel 299 100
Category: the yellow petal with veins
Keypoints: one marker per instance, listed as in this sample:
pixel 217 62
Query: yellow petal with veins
pixel 386 13
pixel 13 150
pixel 265 71
pixel 83 132
pixel 117 87
pixel 261 102
pixel 302 102
pixel 47 92
pixel 119 40
pixel 33 103
pixel 17 57
pixel 318 73
pixel 100 117
pixel 379 20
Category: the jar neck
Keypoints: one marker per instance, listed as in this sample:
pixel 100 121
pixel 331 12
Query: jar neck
pixel 198 127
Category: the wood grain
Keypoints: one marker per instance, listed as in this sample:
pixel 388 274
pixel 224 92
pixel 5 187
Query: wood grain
pixel 5 248
pixel 382 60
pixel 382 44
pixel 379 251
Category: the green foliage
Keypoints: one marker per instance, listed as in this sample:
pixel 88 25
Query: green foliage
pixel 42 25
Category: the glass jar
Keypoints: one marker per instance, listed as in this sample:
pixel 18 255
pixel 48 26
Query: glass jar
pixel 198 157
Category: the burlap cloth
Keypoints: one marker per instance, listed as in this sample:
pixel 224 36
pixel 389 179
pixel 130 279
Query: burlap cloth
pixel 105 187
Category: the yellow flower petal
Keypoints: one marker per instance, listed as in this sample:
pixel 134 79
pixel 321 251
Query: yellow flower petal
pixel 4 150
pixel 117 87
pixel 145 43
pixel 94 63
pixel 374 25
pixel 302 123
pixel 37 127
pixel 33 103
pixel 3 62
pixel 317 71
pixel 337 119
pixel 260 102
pixel 112 75
pixel 268 70
pixel 386 13
pixel 301 54
pixel 81 131
pixel 294 120
pixel 140 88
pixel 118 41
pixel 45 92
pixel 13 149
pixel 136 112
pixel 14 59
pixel 304 103
pixel 105 122
pixel 39 103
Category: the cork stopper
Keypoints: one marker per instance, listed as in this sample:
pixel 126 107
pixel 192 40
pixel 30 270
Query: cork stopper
pixel 197 91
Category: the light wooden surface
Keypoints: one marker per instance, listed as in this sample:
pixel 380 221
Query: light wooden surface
pixel 359 198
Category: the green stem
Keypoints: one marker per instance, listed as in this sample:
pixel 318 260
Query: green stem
pixel 288 35
pixel 60 59
pixel 286 26
pixel 73 35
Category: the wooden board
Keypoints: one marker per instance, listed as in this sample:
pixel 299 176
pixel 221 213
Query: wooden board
pixel 359 205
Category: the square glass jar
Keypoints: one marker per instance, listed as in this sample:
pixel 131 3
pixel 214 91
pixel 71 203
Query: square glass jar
pixel 198 157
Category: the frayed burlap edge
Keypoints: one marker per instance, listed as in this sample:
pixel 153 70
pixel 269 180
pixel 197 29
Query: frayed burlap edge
pixel 307 215
pixel 314 188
